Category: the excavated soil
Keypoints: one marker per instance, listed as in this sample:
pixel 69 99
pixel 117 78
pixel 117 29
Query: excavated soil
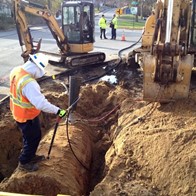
pixel 129 146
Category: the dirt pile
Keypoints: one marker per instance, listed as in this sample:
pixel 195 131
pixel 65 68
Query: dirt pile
pixel 152 154
pixel 134 147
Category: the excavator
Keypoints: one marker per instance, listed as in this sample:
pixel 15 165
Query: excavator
pixel 167 52
pixel 75 38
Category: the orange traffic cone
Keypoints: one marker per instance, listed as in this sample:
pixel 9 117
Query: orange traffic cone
pixel 123 37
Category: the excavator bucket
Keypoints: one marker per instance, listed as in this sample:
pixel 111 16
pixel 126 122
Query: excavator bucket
pixel 155 91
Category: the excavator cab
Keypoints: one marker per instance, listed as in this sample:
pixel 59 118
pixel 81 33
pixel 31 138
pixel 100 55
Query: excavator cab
pixel 78 25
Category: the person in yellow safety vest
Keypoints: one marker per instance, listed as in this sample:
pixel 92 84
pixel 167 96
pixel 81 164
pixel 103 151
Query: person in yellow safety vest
pixel 102 24
pixel 113 26
pixel 26 103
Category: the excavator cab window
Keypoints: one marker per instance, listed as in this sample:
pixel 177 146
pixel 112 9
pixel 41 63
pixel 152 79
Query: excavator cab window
pixel 78 22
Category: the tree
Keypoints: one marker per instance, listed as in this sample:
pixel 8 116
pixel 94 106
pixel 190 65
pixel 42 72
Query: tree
pixel 52 5
pixel 144 7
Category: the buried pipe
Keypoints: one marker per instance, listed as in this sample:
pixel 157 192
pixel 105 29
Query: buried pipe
pixel 74 89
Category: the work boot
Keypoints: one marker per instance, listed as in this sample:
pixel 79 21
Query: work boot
pixel 38 158
pixel 28 167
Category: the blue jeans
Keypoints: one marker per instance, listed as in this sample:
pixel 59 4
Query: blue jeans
pixel 31 133
pixel 102 33
pixel 113 33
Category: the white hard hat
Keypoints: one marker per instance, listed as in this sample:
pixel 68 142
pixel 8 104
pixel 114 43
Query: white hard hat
pixel 41 60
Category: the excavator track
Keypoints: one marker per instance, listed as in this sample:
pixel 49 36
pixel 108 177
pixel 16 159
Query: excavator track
pixel 85 59
pixel 106 65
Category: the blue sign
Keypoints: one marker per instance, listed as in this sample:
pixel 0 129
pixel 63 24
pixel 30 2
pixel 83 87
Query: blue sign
pixel 128 11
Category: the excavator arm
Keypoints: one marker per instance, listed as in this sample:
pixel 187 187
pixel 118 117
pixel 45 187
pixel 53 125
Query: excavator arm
pixel 167 65
pixel 22 7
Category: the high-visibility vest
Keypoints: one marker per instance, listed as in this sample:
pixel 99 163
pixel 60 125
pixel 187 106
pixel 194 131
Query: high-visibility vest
pixel 114 21
pixel 102 23
pixel 22 109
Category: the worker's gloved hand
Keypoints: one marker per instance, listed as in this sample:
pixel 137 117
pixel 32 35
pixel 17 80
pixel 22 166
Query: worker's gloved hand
pixel 61 113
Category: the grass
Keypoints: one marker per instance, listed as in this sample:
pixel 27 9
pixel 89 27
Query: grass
pixel 129 21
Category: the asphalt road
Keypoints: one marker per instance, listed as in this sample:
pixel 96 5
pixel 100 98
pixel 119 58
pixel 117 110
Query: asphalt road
pixel 10 50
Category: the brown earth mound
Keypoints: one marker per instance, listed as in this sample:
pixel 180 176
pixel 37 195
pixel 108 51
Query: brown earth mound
pixel 130 147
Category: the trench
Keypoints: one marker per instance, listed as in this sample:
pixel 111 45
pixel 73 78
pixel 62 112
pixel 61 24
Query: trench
pixel 90 138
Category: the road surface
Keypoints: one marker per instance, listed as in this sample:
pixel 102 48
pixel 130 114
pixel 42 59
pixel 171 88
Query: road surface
pixel 10 55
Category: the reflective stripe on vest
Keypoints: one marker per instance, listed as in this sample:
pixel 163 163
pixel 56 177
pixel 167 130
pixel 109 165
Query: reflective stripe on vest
pixel 20 106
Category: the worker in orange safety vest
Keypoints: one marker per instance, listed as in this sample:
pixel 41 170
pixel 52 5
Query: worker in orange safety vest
pixel 26 103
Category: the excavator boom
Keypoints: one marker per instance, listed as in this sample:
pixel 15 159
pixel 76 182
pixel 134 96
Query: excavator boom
pixel 24 34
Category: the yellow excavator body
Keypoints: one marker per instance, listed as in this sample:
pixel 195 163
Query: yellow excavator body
pixel 148 31
pixel 81 48
pixel 155 92
pixel 168 51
